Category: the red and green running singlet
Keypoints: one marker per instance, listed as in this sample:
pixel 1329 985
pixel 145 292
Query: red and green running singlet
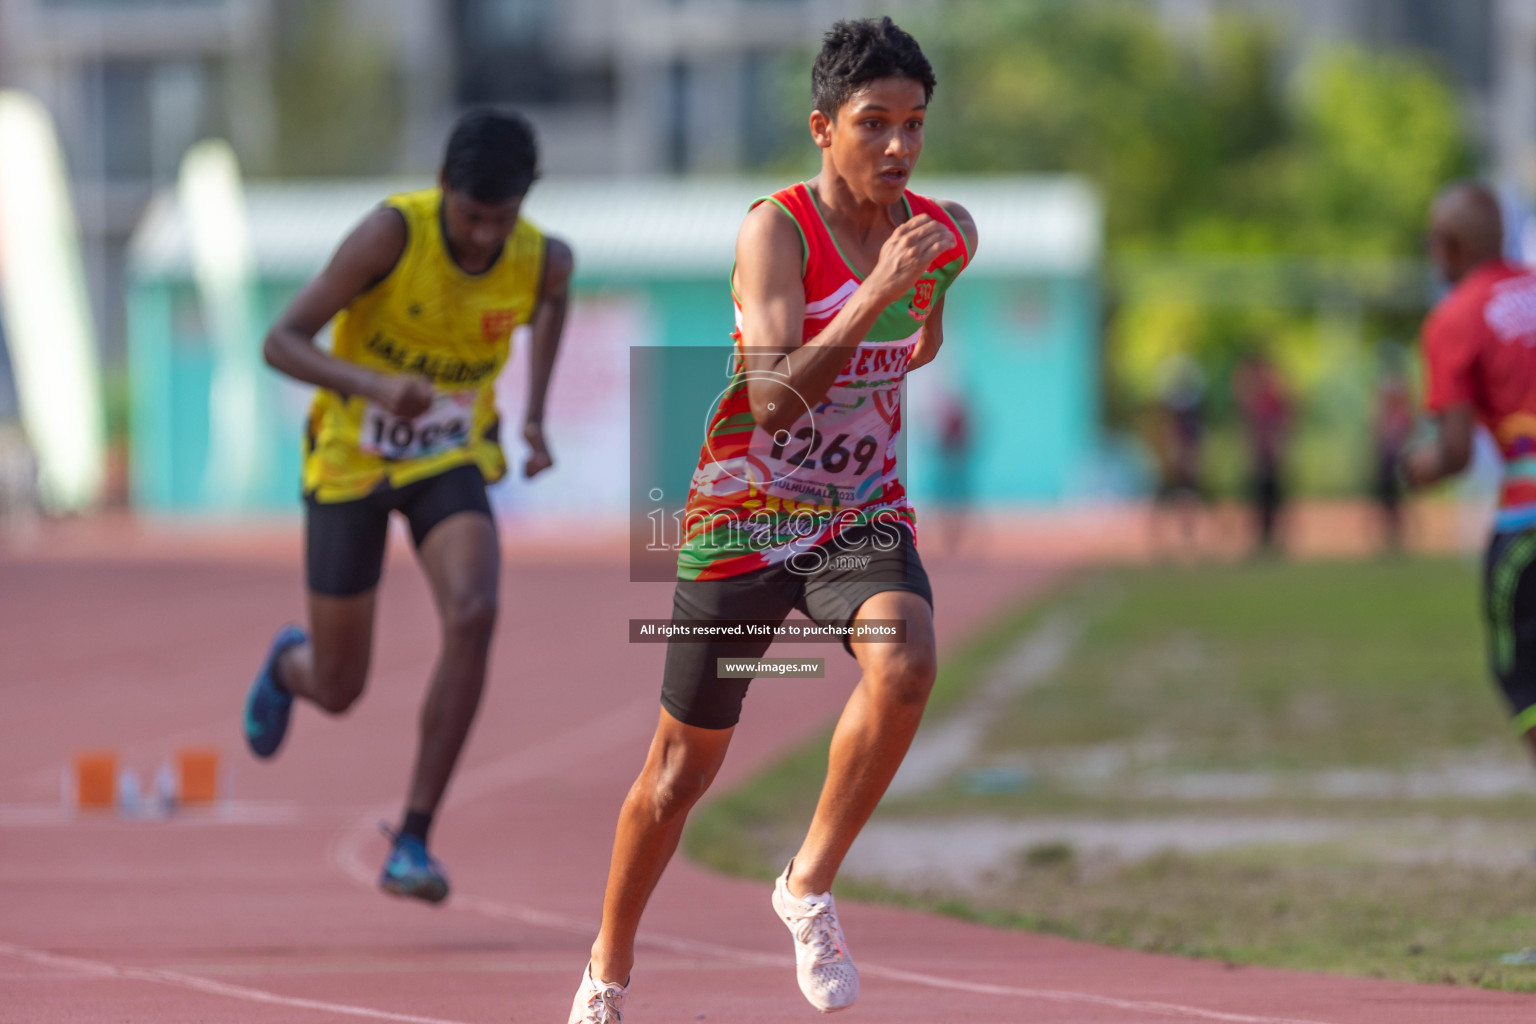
pixel 758 499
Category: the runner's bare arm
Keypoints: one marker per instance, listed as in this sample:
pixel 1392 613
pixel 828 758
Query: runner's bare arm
pixel 768 284
pixel 1447 454
pixel 933 328
pixel 544 344
pixel 362 260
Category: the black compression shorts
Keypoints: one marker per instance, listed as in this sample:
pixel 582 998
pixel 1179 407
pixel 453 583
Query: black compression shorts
pixel 854 569
pixel 345 540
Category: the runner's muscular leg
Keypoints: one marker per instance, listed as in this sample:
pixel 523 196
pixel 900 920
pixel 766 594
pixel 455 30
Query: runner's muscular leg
pixel 462 561
pixel 682 763
pixel 331 668
pixel 871 738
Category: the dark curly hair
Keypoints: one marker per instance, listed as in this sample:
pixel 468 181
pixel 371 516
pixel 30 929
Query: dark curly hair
pixel 491 157
pixel 855 53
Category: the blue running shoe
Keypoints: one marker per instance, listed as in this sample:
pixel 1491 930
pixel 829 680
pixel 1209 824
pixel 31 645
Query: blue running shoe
pixel 411 870
pixel 267 705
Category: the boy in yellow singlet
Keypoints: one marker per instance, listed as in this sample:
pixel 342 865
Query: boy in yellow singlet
pixel 426 293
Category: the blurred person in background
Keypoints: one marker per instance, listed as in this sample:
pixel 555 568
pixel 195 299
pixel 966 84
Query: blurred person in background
pixel 1391 426
pixel 954 470
pixel 426 292
pixel 19 501
pixel 1265 406
pixel 1480 359
pixel 1178 443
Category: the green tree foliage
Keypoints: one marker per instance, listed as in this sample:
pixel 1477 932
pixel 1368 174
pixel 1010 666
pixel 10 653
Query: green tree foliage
pixel 1376 136
pixel 1099 89
pixel 1199 144
pixel 1251 200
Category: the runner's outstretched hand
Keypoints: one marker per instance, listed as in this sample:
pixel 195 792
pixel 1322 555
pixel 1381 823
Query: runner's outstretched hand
pixel 539 458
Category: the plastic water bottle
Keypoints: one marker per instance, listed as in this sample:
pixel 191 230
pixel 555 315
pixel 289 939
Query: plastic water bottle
pixel 165 788
pixel 130 795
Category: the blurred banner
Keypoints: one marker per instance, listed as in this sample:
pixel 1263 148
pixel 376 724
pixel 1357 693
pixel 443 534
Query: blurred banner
pixel 1014 396
pixel 212 203
pixel 46 312
pixel 587 410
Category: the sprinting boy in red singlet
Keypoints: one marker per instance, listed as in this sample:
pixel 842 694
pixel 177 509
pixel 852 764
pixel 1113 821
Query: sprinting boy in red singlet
pixel 798 502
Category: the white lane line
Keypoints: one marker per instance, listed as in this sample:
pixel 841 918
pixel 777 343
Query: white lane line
pixel 568 748
pixel 1059 996
pixel 696 947
pixel 100 969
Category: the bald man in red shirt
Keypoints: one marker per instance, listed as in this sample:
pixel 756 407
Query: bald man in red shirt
pixel 1480 358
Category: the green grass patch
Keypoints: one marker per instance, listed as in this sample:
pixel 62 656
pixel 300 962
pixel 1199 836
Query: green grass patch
pixel 1273 666
pixel 741 831
pixel 1406 922
pixel 1277 668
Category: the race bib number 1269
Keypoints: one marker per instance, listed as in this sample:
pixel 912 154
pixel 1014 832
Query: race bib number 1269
pixel 446 425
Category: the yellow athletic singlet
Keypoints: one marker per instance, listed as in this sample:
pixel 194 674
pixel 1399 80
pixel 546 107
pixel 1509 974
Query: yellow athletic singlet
pixel 428 317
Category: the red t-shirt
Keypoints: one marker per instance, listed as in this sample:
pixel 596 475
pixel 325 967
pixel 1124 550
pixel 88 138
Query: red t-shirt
pixel 1480 350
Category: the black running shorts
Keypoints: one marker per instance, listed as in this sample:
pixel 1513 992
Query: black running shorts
pixel 344 540
pixel 1509 591
pixel 829 591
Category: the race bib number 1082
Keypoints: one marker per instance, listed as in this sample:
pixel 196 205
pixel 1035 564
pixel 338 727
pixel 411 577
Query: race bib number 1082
pixel 446 425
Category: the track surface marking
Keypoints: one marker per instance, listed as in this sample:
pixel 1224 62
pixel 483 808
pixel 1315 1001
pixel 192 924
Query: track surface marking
pixel 141 921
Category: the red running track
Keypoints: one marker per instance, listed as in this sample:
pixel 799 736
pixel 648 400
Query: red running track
pixel 269 913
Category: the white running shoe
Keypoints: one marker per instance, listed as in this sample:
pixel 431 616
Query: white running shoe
pixel 823 965
pixel 598 1002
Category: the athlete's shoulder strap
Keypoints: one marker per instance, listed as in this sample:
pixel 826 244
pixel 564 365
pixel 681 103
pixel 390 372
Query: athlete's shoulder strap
pixel 526 228
pixel 795 201
pixel 419 208
pixel 415 205
pixel 962 249
pixel 527 247
pixel 528 241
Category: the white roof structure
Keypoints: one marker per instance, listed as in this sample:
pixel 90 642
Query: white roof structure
pixel 656 227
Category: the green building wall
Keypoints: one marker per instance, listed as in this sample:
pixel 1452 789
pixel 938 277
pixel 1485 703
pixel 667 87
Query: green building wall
pixel 1022 350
